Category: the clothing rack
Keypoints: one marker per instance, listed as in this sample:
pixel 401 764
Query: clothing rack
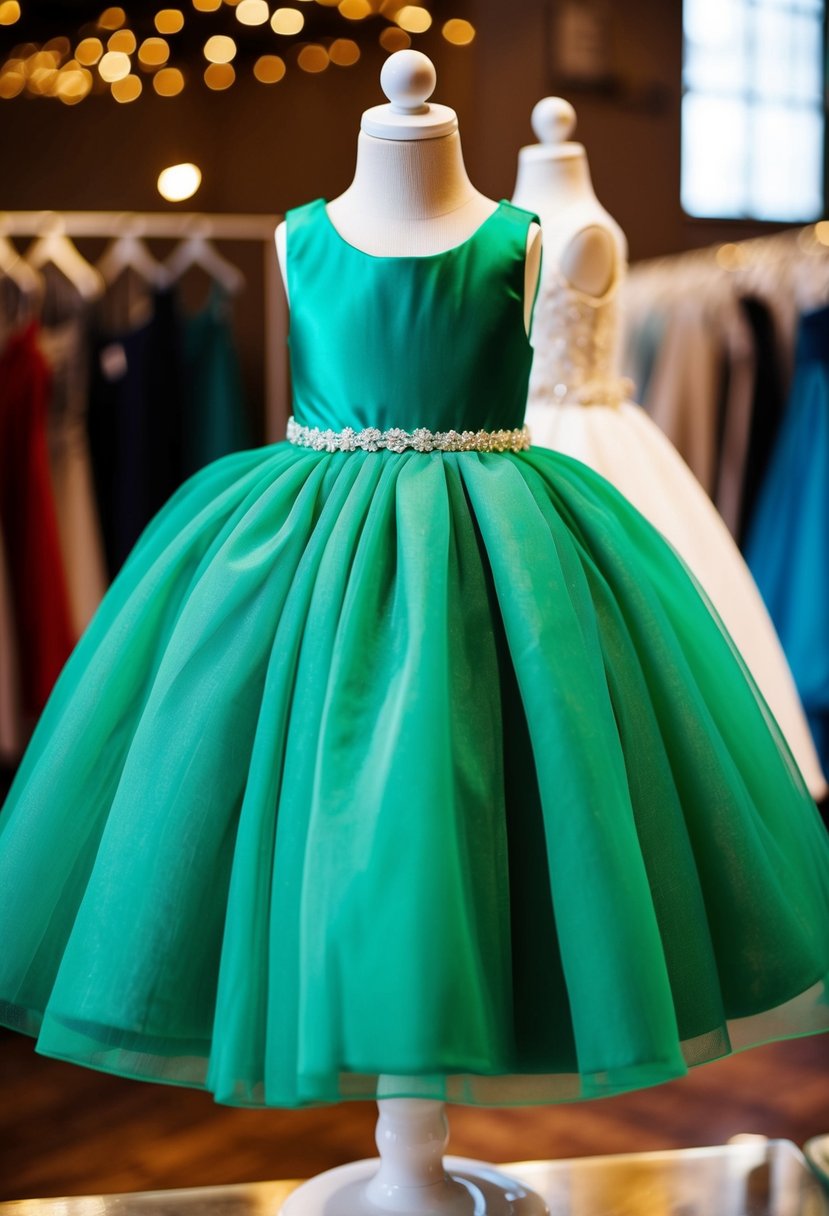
pixel 178 226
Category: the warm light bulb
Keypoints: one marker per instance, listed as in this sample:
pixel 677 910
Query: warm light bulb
pixel 219 76
pixel 168 82
pixel 115 65
pixel 252 12
pixel 269 69
pixel 219 48
pixel 9 12
pixel 458 32
pixel 287 21
pixel 179 182
pixel 153 52
pixel 413 18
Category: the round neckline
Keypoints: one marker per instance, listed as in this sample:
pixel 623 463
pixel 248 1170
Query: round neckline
pixel 408 257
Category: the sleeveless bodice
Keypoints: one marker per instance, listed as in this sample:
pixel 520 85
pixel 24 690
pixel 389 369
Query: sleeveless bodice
pixel 576 338
pixel 434 341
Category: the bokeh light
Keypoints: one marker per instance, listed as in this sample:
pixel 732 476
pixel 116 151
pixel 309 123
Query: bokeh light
pixel 218 76
pixel 89 51
pixel 128 89
pixel 122 40
pixel 354 10
pixel 169 82
pixel 153 52
pixel 252 12
pixel 394 39
pixel 115 65
pixel 269 69
pixel 9 12
pixel 313 58
pixel 458 32
pixel 344 52
pixel 169 21
pixel 178 182
pixel 413 18
pixel 287 21
pixel 112 19
pixel 219 49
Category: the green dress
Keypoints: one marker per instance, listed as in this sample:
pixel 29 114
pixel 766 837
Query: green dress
pixel 424 773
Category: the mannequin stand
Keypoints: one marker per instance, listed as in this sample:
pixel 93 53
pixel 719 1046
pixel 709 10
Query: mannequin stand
pixel 411 1177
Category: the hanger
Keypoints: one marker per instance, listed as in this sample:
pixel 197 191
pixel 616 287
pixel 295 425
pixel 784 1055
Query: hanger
pixel 15 268
pixel 54 247
pixel 197 250
pixel 129 252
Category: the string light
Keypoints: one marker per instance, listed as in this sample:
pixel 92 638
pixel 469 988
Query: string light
pixel 269 69
pixel 168 82
pixel 153 52
pixel 115 65
pixel 178 182
pixel 287 21
pixel 219 76
pixel 122 40
pixel 219 49
pixel 458 32
pixel 313 58
pixel 344 52
pixel 169 21
pixel 112 19
pixel 128 89
pixel 89 51
pixel 9 13
pixel 252 12
pixel 413 18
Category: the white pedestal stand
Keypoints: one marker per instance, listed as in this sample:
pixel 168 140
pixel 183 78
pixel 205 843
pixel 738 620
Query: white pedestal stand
pixel 411 1177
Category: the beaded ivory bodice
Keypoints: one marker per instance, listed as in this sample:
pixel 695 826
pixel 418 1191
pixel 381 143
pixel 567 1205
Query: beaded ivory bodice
pixel 575 338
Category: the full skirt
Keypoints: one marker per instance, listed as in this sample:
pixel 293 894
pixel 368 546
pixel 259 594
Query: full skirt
pixel 426 775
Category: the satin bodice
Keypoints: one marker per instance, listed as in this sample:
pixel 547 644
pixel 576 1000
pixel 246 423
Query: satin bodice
pixel 576 340
pixel 433 341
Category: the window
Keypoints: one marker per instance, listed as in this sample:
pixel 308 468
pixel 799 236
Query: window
pixel 753 109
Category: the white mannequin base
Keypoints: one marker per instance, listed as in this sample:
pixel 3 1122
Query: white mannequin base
pixel 471 1188
pixel 411 1178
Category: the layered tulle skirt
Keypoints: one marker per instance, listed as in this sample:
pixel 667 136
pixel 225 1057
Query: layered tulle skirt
pixel 625 446
pixel 415 774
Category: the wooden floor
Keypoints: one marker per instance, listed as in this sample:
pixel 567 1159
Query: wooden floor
pixel 66 1130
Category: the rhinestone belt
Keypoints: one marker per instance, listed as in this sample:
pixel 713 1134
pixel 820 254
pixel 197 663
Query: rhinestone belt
pixel 370 439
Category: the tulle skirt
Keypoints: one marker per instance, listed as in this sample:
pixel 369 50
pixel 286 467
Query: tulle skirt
pixel 624 445
pixel 425 775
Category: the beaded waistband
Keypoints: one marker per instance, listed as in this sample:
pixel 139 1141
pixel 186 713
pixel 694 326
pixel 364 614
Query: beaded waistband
pixel 370 439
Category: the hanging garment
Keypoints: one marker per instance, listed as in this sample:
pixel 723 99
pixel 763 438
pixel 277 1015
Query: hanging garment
pixel 11 726
pixel 214 421
pixel 27 517
pixel 135 425
pixel 768 406
pixel 577 405
pixel 403 748
pixel 788 542
pixel 65 347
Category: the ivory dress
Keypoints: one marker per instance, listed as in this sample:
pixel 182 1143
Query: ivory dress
pixel 404 749
pixel 578 404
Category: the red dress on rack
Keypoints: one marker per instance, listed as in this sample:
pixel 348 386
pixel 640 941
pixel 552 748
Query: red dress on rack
pixel 28 519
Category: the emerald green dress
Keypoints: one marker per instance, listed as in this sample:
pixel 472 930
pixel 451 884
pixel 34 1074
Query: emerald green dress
pixel 424 773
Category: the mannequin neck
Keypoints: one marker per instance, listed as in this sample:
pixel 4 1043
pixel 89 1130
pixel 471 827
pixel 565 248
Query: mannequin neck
pixel 559 177
pixel 407 180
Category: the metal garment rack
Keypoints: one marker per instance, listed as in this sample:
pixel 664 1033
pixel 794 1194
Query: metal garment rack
pixel 179 226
